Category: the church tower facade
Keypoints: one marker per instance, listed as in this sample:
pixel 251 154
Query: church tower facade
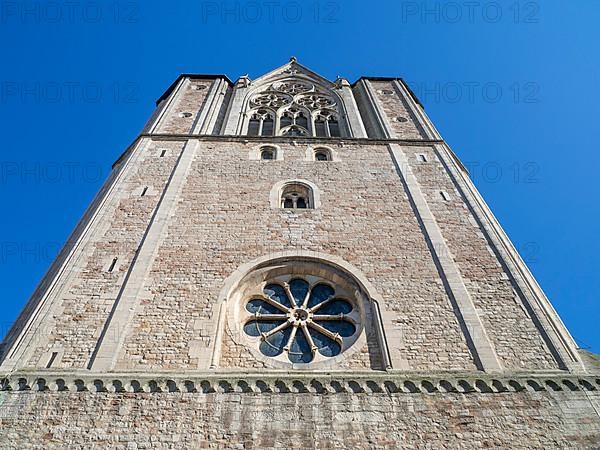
pixel 290 262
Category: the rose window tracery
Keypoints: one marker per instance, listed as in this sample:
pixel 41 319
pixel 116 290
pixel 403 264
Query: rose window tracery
pixel 294 87
pixel 301 320
pixel 271 100
pixel 316 101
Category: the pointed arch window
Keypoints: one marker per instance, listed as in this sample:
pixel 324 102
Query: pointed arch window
pixel 294 131
pixel 291 108
pixel 261 123
pixel 302 120
pixel 294 122
pixel 327 124
pixel 286 120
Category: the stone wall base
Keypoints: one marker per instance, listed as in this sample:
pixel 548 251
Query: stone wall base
pixel 265 420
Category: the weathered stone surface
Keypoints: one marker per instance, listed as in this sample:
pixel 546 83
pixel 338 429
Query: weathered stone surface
pixel 136 337
pixel 270 421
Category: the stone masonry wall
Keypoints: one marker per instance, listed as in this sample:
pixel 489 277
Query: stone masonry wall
pixel 513 421
pixel 89 293
pixel 517 342
pixel 400 119
pixel 182 115
pixel 224 219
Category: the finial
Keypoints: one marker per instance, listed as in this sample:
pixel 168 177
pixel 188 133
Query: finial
pixel 244 81
pixel 293 59
pixel 341 82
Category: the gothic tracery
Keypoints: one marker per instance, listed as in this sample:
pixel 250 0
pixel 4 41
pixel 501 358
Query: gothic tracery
pixel 300 321
pixel 299 109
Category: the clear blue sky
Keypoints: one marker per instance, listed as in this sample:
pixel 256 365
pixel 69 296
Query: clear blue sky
pixel 512 86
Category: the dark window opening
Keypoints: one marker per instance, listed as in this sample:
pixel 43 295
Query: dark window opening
pixel 302 121
pixel 322 154
pixel 320 128
pixel 52 359
pixel 286 121
pixel 253 127
pixel 113 264
pixel 296 196
pixel 334 128
pixel 267 154
pixel 267 128
pixel 301 203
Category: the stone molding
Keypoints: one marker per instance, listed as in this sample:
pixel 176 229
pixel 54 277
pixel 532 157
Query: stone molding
pixel 290 382
pixel 474 331
pixel 232 282
pixel 275 199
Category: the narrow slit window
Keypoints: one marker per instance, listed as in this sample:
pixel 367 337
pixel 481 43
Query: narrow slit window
pixel 267 127
pixel 320 128
pixel 286 121
pixel 253 127
pixel 334 128
pixel 421 157
pixel 113 265
pixel 163 153
pixel 144 191
pixel 51 360
pixel 445 196
pixel 302 121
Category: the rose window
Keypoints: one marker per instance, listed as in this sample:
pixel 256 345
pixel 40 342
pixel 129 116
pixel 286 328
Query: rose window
pixel 316 102
pixel 271 99
pixel 294 88
pixel 301 321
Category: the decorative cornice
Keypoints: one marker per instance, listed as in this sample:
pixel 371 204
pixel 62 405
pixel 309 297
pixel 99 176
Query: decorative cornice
pixel 314 383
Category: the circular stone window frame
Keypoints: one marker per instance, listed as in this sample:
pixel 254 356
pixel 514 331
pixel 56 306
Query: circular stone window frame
pixel 348 281
pixel 298 316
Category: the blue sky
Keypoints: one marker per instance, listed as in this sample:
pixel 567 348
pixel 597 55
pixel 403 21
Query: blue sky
pixel 512 86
